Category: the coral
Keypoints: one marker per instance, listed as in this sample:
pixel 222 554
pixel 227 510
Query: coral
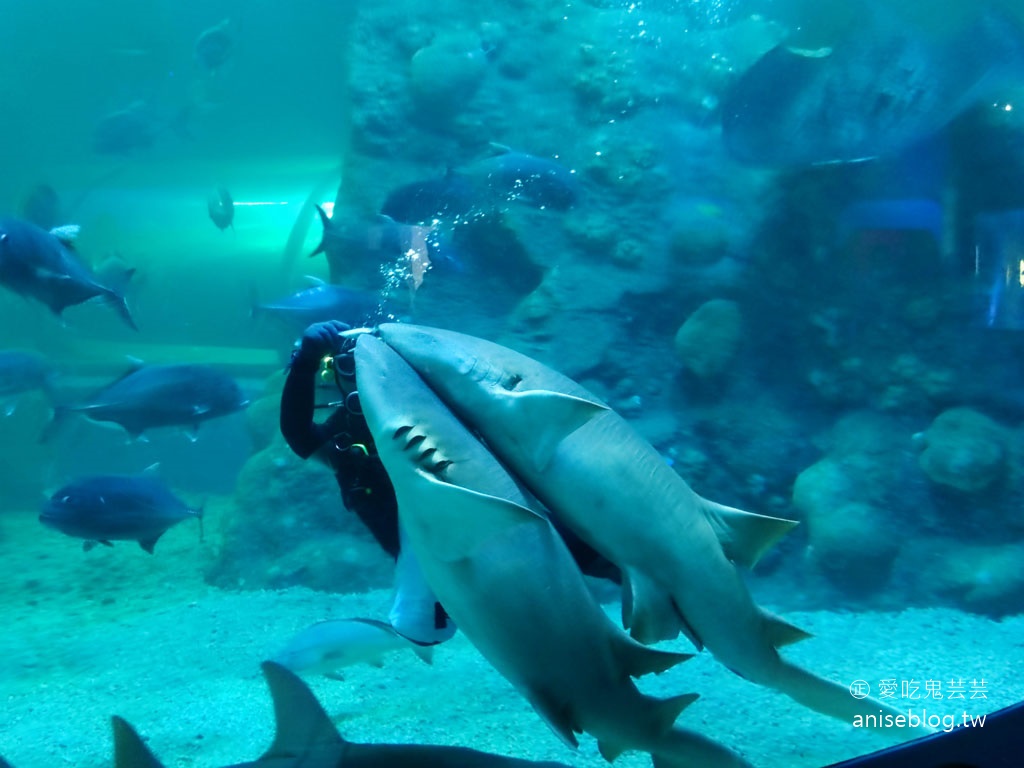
pixel 964 450
pixel 707 342
pixel 444 75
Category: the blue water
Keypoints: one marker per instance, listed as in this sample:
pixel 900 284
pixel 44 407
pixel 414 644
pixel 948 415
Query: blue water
pixel 864 377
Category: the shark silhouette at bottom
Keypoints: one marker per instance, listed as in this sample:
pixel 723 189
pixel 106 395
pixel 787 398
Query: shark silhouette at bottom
pixel 306 737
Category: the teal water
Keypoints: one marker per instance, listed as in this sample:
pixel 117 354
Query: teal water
pixel 830 342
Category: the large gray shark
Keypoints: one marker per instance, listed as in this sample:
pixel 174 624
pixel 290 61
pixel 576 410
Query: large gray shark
pixel 678 551
pixel 507 579
pixel 306 738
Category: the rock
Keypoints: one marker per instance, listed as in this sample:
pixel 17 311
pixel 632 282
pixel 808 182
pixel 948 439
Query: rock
pixel 981 578
pixel 444 75
pixel 707 342
pixel 964 450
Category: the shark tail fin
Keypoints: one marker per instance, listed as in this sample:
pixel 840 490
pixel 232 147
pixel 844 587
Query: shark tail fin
pixel 130 751
pixel 326 221
pixel 832 699
pixel 745 536
pixel 301 722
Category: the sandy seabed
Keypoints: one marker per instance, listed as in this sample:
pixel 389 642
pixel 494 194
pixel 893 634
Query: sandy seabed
pixel 117 631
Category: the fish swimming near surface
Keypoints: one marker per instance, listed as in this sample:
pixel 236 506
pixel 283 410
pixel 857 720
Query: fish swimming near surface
pixel 507 579
pixel 328 646
pixel 221 208
pixel 306 738
pixel 324 301
pixel 43 265
pixel 22 372
pixel 214 45
pixel 106 508
pixel 592 470
pixel 885 83
pixel 149 396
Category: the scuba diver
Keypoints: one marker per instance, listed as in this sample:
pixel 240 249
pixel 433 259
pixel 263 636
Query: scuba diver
pixel 343 442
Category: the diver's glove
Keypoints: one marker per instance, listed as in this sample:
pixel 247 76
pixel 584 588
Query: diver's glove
pixel 320 340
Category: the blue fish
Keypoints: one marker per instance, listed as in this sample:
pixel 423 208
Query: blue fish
pixel 43 266
pixel 423 202
pixel 22 372
pixel 535 181
pixel 149 396
pixel 883 84
pixel 106 508
pixel 322 302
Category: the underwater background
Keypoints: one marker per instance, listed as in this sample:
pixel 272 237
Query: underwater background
pixel 785 242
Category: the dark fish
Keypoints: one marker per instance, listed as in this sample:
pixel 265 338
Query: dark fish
pixel 353 242
pixel 221 208
pixel 535 181
pixel 882 85
pixel 322 302
pixel 41 265
pixel 158 396
pixel 213 46
pixel 125 131
pixel 106 508
pixel 423 202
pixel 137 127
pixel 305 737
pixel 22 372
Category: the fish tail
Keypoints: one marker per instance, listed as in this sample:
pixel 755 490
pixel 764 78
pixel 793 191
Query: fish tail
pixel 831 698
pixel 121 306
pixel 56 423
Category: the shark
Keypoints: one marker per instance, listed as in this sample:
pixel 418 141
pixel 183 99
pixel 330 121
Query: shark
pixel 306 738
pixel 680 554
pixel 507 579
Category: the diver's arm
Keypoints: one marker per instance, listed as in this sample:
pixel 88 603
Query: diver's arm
pixel 303 435
pixel 298 399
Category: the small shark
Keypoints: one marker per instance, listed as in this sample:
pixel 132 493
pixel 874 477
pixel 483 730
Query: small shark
pixel 505 576
pixel 306 738
pixel 678 551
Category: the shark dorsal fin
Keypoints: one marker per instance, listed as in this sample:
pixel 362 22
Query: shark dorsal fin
pixel 130 751
pixel 745 536
pixel 547 418
pixel 302 725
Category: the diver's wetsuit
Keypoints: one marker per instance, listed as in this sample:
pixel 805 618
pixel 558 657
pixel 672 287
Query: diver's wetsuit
pixel 344 442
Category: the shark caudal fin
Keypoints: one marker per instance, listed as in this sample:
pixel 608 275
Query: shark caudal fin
pixel 130 751
pixel 329 226
pixel 302 725
pixel 835 700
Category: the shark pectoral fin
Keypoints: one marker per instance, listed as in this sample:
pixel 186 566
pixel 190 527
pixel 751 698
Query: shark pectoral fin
pixel 546 418
pixel 556 714
pixel 648 611
pixel 130 751
pixel 465 520
pixel 637 660
pixel 780 632
pixel 745 536
pixel 302 724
